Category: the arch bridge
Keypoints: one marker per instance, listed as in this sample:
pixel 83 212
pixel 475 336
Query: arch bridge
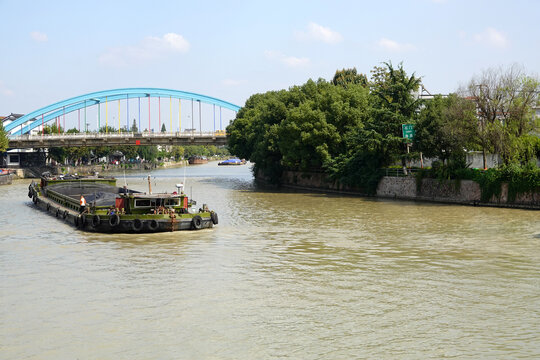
pixel 23 132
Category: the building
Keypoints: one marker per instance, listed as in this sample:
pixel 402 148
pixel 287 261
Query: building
pixel 6 120
pixel 15 158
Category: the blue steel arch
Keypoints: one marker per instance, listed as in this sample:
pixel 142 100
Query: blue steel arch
pixel 52 111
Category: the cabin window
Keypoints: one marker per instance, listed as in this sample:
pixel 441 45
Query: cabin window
pixel 171 202
pixel 13 159
pixel 142 203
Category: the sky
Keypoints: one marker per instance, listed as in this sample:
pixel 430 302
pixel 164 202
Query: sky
pixel 54 50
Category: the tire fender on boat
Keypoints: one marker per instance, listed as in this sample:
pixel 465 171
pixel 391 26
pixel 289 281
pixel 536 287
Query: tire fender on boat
pixel 196 222
pixel 114 220
pixel 48 206
pixel 153 224
pixel 65 214
pixel 76 221
pixel 34 199
pixel 57 214
pixel 137 225
pixel 96 220
pixel 82 222
pixel 214 218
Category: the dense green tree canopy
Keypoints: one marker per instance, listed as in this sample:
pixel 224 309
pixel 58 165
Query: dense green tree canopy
pixel 302 128
pixel 349 127
pixel 446 127
pixel 378 142
pixel 3 138
pixel 329 126
pixel 345 77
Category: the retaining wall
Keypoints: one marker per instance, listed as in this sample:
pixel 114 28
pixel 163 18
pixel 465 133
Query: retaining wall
pixel 466 192
pixel 5 179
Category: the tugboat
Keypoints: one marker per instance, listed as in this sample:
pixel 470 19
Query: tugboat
pixel 95 203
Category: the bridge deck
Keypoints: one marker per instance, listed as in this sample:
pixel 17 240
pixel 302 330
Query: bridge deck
pixel 111 139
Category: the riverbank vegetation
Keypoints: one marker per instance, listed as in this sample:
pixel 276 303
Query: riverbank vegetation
pixel 3 139
pixel 351 127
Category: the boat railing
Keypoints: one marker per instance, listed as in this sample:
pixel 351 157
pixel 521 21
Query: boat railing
pixel 63 199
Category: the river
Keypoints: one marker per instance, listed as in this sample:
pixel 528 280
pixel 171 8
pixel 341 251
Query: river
pixel 285 275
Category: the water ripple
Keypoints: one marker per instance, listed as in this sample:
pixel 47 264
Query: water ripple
pixel 285 274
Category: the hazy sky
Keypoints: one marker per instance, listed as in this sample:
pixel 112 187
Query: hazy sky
pixel 53 50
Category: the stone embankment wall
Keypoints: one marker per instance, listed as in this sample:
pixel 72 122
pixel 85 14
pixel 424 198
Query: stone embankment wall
pixel 466 192
pixel 5 179
pixel 461 192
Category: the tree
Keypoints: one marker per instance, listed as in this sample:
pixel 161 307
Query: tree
pixel 504 98
pixel 53 129
pixel 253 134
pixel 129 151
pixel 378 142
pixel 177 152
pixel 163 129
pixel 446 127
pixel 195 150
pixel 76 154
pixel 393 104
pixel 58 154
pixel 345 77
pixel 134 127
pixel 338 127
pixel 107 129
pixel 313 132
pixel 212 150
pixel 4 141
pixel 149 153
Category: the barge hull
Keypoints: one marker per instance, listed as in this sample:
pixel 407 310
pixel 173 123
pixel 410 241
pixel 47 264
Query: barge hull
pixel 104 224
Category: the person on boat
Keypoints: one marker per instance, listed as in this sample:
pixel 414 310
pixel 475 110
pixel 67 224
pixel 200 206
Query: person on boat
pixel 82 202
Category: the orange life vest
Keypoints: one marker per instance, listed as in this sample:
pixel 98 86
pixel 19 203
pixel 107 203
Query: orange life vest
pixel 83 201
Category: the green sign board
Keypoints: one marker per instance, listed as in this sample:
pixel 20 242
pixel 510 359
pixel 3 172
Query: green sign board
pixel 408 131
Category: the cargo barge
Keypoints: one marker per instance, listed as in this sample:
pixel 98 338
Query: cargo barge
pixel 112 209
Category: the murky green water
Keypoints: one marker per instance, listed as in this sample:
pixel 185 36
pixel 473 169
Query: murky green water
pixel 284 275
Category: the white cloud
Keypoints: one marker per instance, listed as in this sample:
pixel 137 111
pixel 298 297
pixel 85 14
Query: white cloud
pixel 148 49
pixel 394 46
pixel 290 61
pixel 39 36
pixel 4 90
pixel 169 42
pixel 318 32
pixel 492 37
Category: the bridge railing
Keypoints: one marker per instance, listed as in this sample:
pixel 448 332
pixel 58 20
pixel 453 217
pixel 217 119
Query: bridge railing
pixel 95 135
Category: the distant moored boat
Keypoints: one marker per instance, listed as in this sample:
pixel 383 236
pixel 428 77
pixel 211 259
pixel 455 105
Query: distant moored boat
pixel 193 160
